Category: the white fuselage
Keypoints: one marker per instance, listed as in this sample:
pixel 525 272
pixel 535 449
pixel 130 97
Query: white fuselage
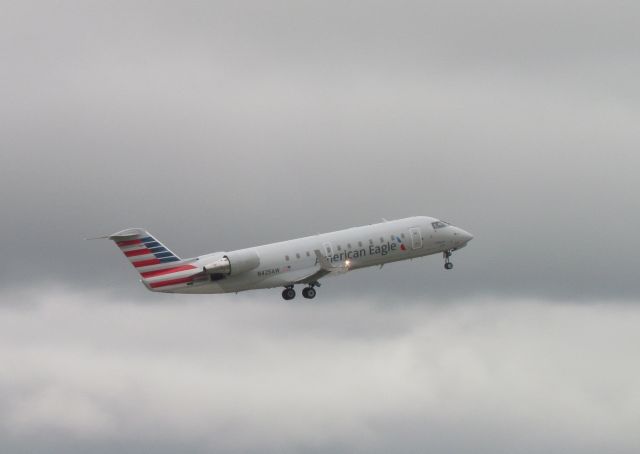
pixel 296 261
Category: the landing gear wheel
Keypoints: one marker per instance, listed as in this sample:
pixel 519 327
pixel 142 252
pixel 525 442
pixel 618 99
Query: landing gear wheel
pixel 447 263
pixel 309 292
pixel 288 293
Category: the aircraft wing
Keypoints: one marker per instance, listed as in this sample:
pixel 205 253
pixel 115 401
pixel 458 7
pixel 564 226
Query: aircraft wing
pixel 328 266
pixel 309 277
pixel 325 268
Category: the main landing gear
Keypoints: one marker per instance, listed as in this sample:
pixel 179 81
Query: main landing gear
pixel 447 260
pixel 289 293
pixel 308 292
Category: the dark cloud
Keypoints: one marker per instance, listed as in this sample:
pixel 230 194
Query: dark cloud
pixel 223 125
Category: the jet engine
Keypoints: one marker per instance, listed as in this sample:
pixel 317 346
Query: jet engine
pixel 234 263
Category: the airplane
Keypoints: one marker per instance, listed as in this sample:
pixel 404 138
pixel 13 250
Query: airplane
pixel 301 261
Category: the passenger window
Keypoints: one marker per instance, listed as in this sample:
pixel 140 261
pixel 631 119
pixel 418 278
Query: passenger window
pixel 348 245
pixel 370 241
pixel 308 254
pixel 339 247
pixel 381 240
pixel 286 257
pixel 297 255
pixel 402 235
pixel 359 243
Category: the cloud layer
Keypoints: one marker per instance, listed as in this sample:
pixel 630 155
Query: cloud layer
pixel 240 375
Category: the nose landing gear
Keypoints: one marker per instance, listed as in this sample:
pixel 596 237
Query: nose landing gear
pixel 447 260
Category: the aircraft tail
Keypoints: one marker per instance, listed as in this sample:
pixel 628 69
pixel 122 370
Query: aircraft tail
pixel 159 268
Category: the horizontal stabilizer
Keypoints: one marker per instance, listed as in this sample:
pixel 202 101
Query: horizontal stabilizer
pixel 128 234
pixel 104 237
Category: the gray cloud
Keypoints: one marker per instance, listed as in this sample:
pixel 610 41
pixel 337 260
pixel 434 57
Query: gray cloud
pixel 248 376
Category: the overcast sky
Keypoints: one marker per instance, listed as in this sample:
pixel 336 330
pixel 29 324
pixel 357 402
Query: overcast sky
pixel 220 125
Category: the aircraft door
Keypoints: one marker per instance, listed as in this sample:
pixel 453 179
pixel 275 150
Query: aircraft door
pixel 416 237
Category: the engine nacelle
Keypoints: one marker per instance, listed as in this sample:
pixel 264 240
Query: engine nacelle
pixel 234 263
pixel 220 266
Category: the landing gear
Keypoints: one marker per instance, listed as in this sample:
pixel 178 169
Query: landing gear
pixel 447 260
pixel 289 293
pixel 309 292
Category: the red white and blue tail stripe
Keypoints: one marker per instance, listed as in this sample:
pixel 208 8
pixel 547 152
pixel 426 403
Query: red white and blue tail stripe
pixel 160 269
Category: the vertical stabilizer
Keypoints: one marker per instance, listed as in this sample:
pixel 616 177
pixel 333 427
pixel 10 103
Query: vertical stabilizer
pixel 159 268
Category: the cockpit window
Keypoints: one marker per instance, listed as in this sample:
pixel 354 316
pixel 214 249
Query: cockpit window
pixel 438 225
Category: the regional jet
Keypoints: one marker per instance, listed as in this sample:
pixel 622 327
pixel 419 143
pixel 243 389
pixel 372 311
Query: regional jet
pixel 302 261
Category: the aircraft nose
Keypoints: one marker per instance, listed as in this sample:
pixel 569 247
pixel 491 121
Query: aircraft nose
pixel 463 236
